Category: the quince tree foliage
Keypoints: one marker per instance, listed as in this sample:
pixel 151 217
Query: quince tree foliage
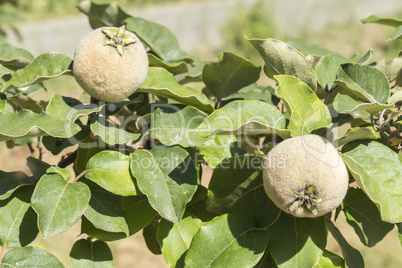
pixel 139 164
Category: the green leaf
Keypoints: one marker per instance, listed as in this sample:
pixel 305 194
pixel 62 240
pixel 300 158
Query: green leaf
pixel 65 173
pixel 173 67
pixel 396 97
pixel 30 257
pixel 44 67
pixel 365 82
pixel 14 58
pixel 59 204
pixel 217 148
pixel 384 21
pixel 69 109
pixel 88 228
pixel 297 242
pixel 399 225
pixel 18 221
pixel 352 256
pixel 231 240
pixel 168 177
pixel 390 68
pixel 266 261
pixel 310 49
pixel 345 104
pixel 103 15
pixel 175 238
pixel 377 170
pixel 105 210
pixel 326 69
pixel 87 253
pixel 162 83
pixel 244 117
pixel 194 73
pixel 282 59
pixel 11 181
pixel 4 71
pixel 110 133
pixel 236 186
pixel 174 124
pixel 255 92
pixel 110 170
pixel 26 102
pixel 28 124
pixel 330 260
pixel 358 133
pixel 364 217
pixel 37 167
pixel 228 74
pixel 157 37
pixel 57 145
pixel 149 234
pixel 87 148
pixel 397 34
pixel 308 112
pixel 138 212
pixel 3 102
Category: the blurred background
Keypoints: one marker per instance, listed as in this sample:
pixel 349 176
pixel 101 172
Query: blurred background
pixel 203 28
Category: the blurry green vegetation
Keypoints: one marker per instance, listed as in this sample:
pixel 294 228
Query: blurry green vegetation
pixel 13 11
pixel 346 37
pixel 39 9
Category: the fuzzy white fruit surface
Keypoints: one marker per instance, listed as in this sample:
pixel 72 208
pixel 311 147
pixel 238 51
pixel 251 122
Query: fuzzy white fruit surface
pixel 297 163
pixel 105 74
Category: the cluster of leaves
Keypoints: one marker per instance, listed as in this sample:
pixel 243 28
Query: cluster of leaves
pixel 138 163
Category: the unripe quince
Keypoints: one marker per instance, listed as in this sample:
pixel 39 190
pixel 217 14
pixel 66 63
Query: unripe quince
pixel 110 63
pixel 305 176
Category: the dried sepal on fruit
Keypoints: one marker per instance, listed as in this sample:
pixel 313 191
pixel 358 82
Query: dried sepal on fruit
pixel 305 176
pixel 110 63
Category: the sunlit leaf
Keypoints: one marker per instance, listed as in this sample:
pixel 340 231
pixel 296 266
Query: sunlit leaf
pixel 397 34
pixel 175 238
pixel 162 83
pixel 346 104
pixel 377 170
pixel 390 68
pixel 14 58
pixel 228 74
pixel 217 148
pixel 358 133
pixel 167 175
pixel 365 82
pixel 44 67
pixel 173 67
pixel 30 257
pixel 308 112
pixel 29 124
pixel 110 133
pixel 228 241
pixel 174 124
pixel 282 59
pixel 110 170
pixel 330 260
pixel 244 117
pixel 384 21
pixel 59 204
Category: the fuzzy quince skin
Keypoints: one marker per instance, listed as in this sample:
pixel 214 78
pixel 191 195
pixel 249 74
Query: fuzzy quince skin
pixel 110 63
pixel 305 176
